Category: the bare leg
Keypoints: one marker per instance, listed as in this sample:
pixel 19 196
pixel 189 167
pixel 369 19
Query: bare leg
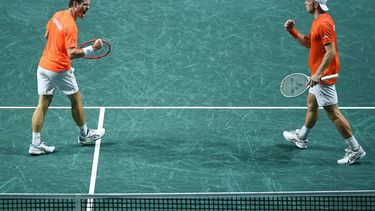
pixel 40 112
pixel 37 148
pixel 77 108
pixel 299 136
pixel 339 121
pixel 354 151
pixel 312 111
pixel 90 135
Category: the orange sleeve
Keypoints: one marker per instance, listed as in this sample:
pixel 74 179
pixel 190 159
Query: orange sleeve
pixel 48 28
pixel 71 35
pixel 327 34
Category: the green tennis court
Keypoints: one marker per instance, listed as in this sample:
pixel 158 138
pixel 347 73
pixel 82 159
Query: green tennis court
pixel 189 98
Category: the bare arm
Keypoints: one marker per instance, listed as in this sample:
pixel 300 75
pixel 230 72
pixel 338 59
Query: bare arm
pixel 301 38
pixel 327 59
pixel 75 53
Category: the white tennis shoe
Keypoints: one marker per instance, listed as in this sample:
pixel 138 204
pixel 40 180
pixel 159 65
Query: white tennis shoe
pixel 351 156
pixel 292 136
pixel 40 149
pixel 91 137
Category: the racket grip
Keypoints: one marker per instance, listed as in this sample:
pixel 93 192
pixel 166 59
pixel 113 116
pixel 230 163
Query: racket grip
pixel 327 77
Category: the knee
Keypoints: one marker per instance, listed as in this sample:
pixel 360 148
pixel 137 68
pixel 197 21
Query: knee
pixel 44 102
pixel 333 114
pixel 311 107
pixel 76 104
pixel 75 100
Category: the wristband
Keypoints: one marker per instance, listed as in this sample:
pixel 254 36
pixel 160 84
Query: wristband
pixel 88 50
pixel 294 33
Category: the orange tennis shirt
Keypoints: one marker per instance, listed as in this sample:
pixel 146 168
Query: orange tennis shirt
pixel 323 32
pixel 61 33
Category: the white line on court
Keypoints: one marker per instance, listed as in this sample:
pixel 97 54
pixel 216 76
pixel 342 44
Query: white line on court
pixel 95 159
pixel 194 107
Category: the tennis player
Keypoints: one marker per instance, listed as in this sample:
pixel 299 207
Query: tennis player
pixel 55 70
pixel 323 60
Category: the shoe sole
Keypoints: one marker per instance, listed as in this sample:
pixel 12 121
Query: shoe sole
pixel 84 143
pixel 41 152
pixel 296 143
pixel 36 153
pixel 90 141
pixel 300 146
pixel 353 160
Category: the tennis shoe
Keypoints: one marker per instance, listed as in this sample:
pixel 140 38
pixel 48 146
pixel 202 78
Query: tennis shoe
pixel 292 136
pixel 91 137
pixel 40 149
pixel 351 156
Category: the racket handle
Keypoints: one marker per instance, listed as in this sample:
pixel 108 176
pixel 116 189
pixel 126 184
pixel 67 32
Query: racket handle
pixel 327 77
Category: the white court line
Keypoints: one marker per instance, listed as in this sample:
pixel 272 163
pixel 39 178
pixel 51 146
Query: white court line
pixel 194 107
pixel 95 159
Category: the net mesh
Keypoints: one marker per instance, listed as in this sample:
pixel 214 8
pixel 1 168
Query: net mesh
pixel 274 201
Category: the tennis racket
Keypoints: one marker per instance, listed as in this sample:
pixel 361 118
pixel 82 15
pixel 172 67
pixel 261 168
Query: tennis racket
pixel 294 85
pixel 104 51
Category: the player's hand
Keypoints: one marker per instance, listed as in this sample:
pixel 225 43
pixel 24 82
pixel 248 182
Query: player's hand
pixel 98 44
pixel 314 80
pixel 289 25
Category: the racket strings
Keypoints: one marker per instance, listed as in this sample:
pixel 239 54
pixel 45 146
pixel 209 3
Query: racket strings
pixel 293 85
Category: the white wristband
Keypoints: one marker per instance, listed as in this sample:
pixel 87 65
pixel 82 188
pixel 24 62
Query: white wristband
pixel 88 50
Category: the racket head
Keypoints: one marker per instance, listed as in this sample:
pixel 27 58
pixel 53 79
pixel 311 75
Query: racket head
pixel 294 85
pixel 103 52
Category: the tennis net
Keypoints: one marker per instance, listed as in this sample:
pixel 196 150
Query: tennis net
pixel 319 200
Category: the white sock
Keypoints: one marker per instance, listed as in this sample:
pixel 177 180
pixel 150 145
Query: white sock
pixel 303 133
pixel 83 130
pixel 36 139
pixel 352 143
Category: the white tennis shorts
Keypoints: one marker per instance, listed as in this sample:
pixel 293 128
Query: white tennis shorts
pixel 325 95
pixel 49 80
